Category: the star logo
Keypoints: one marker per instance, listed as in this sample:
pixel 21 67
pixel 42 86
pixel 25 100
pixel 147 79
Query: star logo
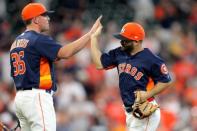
pixel 164 69
pixel 123 30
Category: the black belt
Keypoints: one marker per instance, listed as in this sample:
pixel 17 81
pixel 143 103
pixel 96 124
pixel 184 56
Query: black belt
pixel 30 88
pixel 129 109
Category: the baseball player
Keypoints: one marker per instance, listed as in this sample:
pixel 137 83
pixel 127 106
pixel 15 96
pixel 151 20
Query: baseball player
pixel 31 58
pixel 137 67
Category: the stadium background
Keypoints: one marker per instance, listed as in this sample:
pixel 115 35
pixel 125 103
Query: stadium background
pixel 87 99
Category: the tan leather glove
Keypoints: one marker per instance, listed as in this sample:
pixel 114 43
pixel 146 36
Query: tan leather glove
pixel 142 109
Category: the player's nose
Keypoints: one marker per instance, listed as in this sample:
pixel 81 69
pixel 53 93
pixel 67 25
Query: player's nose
pixel 48 18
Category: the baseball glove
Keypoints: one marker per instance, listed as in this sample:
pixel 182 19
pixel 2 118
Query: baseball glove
pixel 142 109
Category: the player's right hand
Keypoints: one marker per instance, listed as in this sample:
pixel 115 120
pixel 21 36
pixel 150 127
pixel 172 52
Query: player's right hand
pixel 96 25
pixel 144 95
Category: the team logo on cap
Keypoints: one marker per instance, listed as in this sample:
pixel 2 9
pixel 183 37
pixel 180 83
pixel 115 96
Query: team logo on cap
pixel 164 69
pixel 135 37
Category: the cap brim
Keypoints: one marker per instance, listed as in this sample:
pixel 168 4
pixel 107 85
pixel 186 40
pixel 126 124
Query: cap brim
pixel 120 37
pixel 50 12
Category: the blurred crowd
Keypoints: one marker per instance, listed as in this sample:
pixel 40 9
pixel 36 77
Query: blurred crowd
pixel 88 99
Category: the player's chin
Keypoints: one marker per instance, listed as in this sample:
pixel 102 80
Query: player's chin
pixel 46 28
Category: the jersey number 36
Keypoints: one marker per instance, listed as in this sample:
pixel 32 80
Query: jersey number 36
pixel 18 63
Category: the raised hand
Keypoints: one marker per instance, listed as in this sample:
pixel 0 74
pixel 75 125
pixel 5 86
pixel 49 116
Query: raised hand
pixel 97 32
pixel 96 25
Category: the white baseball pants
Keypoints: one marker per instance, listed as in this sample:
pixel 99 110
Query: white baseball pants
pixel 150 123
pixel 35 110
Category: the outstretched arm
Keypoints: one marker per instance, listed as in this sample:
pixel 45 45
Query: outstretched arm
pixel 95 52
pixel 74 47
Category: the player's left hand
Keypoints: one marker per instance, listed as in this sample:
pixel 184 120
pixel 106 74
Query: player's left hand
pixel 97 32
pixel 142 107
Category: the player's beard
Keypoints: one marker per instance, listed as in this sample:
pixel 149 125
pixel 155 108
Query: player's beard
pixel 128 48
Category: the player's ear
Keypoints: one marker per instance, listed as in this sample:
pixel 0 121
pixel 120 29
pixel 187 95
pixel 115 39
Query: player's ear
pixel 35 20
